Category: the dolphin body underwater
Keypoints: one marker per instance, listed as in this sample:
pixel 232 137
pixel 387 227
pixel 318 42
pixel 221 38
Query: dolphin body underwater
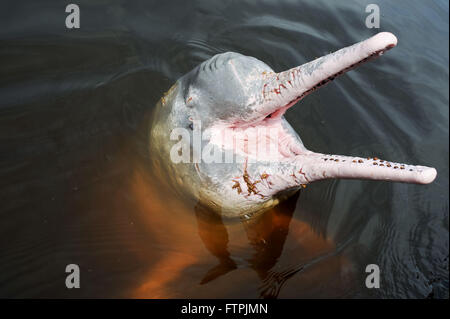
pixel 238 102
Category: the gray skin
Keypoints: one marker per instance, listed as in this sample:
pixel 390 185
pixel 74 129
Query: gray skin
pixel 237 95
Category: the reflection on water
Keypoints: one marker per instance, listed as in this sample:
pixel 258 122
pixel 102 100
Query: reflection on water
pixel 75 182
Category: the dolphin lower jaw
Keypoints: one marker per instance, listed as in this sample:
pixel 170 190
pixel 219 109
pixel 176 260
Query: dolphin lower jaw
pixel 265 180
pixel 316 166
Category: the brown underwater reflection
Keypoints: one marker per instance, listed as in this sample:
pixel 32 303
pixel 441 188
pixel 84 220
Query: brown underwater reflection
pixel 194 253
pixel 75 189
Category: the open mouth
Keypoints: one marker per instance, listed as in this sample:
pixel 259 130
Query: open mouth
pixel 268 138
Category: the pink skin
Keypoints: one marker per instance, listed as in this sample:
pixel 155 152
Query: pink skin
pixel 288 87
pixel 294 165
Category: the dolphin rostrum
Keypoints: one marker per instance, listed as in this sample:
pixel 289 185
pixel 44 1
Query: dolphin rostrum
pixel 219 134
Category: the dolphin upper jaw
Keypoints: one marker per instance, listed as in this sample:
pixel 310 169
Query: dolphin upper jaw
pixel 277 92
pixel 282 90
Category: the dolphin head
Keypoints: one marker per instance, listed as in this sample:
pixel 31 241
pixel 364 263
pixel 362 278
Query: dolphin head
pixel 240 154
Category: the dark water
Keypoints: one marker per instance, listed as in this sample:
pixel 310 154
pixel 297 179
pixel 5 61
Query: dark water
pixel 74 181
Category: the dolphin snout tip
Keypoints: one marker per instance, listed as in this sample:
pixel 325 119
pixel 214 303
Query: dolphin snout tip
pixel 428 175
pixel 385 40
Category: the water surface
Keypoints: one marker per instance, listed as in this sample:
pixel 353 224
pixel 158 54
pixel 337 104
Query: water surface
pixel 75 184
